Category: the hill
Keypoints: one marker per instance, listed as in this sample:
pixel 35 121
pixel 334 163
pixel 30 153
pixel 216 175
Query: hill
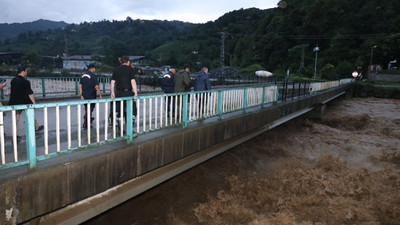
pixel 276 39
pixel 11 31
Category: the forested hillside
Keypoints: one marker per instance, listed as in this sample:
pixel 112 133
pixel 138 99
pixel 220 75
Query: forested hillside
pixel 276 39
pixel 11 31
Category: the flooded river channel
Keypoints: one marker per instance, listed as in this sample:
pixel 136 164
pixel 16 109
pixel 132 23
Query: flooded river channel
pixel 343 169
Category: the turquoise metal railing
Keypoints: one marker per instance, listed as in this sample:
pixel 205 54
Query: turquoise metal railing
pixel 44 86
pixel 63 121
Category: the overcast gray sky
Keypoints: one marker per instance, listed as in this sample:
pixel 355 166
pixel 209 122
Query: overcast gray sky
pixel 77 11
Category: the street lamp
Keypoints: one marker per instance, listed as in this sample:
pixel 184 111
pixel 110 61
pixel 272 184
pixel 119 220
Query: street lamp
pixel 372 52
pixel 316 49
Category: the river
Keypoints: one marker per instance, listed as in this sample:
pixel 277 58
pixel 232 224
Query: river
pixel 343 169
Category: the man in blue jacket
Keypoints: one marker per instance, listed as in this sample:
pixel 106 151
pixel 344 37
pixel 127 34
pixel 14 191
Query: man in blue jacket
pixel 201 81
pixel 168 85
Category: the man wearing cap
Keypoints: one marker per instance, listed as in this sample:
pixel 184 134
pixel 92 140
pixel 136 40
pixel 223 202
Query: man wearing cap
pixel 88 85
pixel 168 86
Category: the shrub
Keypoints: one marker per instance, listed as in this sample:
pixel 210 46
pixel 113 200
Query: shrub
pixel 65 73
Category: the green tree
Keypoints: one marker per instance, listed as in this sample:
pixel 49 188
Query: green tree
pixel 31 59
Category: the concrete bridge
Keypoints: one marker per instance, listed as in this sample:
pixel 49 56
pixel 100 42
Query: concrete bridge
pixel 75 184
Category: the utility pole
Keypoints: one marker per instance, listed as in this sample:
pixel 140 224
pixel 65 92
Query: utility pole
pixel 316 49
pixel 302 55
pixel 223 37
pixel 302 46
pixel 372 53
pixel 66 45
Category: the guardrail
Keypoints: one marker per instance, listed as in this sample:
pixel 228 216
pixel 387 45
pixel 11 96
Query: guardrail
pixel 62 121
pixel 319 86
pixel 44 86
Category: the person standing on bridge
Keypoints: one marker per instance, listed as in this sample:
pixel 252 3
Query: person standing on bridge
pixel 182 83
pixel 202 83
pixel 123 84
pixel 182 80
pixel 22 94
pixel 88 85
pixel 168 86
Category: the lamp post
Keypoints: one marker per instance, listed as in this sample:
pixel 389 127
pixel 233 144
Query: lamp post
pixel 372 53
pixel 316 49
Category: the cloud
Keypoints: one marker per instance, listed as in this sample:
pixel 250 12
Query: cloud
pixel 76 11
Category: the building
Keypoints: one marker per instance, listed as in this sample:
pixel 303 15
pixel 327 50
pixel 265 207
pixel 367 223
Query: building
pixel 136 60
pixel 10 58
pixel 79 62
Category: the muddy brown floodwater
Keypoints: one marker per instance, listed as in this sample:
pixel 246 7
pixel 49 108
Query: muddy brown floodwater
pixel 344 169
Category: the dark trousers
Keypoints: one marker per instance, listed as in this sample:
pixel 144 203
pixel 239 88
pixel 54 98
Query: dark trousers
pixel 170 101
pixel 92 106
pixel 119 93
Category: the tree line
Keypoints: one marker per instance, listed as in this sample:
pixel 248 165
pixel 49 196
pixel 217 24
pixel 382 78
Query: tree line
pixel 277 39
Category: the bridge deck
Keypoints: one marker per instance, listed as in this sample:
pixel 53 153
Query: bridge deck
pixel 102 171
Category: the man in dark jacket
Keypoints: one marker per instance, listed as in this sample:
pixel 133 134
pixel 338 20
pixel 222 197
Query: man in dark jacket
pixel 201 81
pixel 22 94
pixel 88 85
pixel 182 80
pixel 182 84
pixel 123 84
pixel 168 85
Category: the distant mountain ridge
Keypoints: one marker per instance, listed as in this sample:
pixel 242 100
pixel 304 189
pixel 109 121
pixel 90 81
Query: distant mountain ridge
pixel 274 39
pixel 11 30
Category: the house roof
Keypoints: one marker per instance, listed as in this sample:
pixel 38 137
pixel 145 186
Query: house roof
pixel 78 57
pixel 133 58
pixel 10 53
pixel 89 57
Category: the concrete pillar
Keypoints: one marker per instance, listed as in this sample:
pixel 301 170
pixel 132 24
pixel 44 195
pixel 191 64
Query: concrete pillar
pixel 350 92
pixel 317 113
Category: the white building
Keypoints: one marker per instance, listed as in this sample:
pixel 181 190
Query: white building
pixel 79 62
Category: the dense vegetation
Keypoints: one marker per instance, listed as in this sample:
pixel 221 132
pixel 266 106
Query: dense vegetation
pixel 11 31
pixel 275 39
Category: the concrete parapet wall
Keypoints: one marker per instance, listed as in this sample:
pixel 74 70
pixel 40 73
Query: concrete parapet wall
pixel 65 180
pixel 384 77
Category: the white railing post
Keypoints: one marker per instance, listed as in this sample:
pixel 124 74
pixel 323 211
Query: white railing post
pixel 2 149
pixel 15 133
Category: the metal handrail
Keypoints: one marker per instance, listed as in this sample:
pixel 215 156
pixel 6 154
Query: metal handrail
pixel 62 129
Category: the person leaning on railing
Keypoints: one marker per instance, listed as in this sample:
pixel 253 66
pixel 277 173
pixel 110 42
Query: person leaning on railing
pixel 22 94
pixel 182 80
pixel 202 83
